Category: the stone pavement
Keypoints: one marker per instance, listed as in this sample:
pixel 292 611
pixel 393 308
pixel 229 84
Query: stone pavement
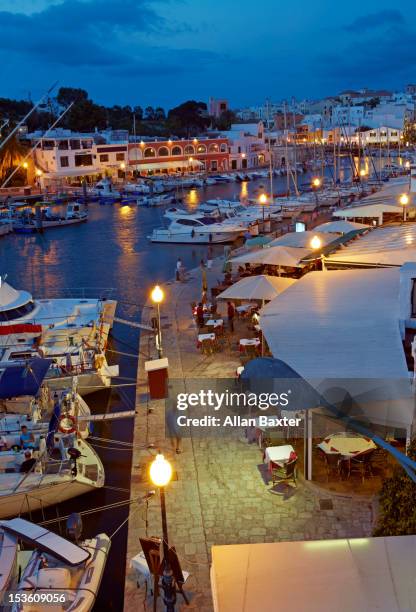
pixel 218 495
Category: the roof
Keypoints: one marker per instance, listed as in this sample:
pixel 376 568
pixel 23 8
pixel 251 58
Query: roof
pixel 275 256
pixel 391 245
pixel 303 239
pixel 11 298
pixel 260 287
pixel 338 324
pixel 340 227
pixel 372 574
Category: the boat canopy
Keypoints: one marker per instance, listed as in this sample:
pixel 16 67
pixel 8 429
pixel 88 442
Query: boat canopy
pixel 21 379
pixel 46 541
pixel 10 298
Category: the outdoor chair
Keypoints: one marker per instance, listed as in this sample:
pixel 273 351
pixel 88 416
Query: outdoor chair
pixel 361 464
pixel 379 459
pixel 333 464
pixel 207 347
pixel 272 438
pixel 285 473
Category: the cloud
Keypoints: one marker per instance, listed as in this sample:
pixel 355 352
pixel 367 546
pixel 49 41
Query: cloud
pixel 373 21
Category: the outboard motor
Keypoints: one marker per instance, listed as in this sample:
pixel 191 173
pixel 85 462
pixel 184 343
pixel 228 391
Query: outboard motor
pixel 74 527
pixel 74 454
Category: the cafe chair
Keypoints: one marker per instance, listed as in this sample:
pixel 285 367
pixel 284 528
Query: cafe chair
pixel 284 473
pixel 333 465
pixel 361 464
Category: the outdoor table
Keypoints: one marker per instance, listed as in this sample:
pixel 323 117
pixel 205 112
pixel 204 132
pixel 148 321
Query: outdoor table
pixel 244 342
pixel 202 337
pixel 243 308
pixel 215 323
pixel 277 454
pixel 346 445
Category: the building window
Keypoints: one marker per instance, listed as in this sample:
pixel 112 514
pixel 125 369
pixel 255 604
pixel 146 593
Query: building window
pixel 233 164
pixel 83 160
pixel 223 148
pixel 63 145
pixel 176 151
pixel 149 152
pixel 201 149
pixel 48 145
pixel 163 152
pixel 213 148
pixel 104 157
pixel 74 144
pixel 119 156
pixel 214 164
pixel 393 133
pixel 189 150
pixel 64 161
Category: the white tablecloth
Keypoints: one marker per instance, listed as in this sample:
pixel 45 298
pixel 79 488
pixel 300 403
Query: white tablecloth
pixel 202 337
pixel 278 454
pixel 348 446
pixel 249 342
pixel 243 307
pixel 215 322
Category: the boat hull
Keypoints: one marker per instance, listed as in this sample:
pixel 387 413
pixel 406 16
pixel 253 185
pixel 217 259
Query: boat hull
pixel 196 238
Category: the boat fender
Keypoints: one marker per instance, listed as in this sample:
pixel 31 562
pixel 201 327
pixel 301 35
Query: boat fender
pixel 193 233
pixel 67 424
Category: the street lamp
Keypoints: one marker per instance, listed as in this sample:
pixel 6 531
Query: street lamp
pixel 161 475
pixel 263 202
pixel 316 182
pixel 404 201
pixel 25 165
pixel 157 296
pixel 316 243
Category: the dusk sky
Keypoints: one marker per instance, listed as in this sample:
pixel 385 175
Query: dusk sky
pixel 164 52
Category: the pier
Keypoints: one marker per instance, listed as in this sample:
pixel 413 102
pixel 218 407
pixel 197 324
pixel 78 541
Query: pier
pixel 217 495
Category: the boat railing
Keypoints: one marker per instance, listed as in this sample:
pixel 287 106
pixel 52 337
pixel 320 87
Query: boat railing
pixel 84 293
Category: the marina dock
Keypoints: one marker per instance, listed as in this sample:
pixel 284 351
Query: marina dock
pixel 217 495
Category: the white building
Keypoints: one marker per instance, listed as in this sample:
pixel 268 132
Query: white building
pixel 347 115
pixel 247 145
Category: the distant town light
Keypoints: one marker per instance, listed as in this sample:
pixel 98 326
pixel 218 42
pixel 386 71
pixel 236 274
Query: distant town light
pixel 25 165
pixel 195 140
pixel 243 155
pixel 262 198
pixel 142 143
pixel 316 242
pixel 316 182
pixel 157 295
pixel 38 172
pixel 407 164
pixel 363 172
pixel 191 159
pixel 122 166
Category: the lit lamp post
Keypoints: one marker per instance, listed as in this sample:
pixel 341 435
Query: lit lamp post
pixel 316 244
pixel 160 475
pixel 263 201
pixel 157 296
pixel 123 169
pixel 316 183
pixel 404 201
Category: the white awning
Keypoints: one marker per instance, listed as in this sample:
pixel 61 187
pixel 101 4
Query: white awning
pixel 372 574
pixel 69 173
pixel 274 256
pixel 169 165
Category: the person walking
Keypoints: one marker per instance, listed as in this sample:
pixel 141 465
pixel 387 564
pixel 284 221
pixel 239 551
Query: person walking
pixel 200 315
pixel 230 315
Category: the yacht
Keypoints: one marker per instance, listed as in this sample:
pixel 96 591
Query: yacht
pixel 66 466
pixel 79 318
pixel 197 229
pixel 137 188
pixel 104 189
pixel 237 211
pixel 37 563
pixel 156 200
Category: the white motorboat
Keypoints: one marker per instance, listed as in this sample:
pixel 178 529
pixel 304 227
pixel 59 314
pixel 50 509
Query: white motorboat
pixel 79 318
pixel 156 200
pixel 74 214
pixel 238 212
pixel 137 188
pixel 105 190
pixel 65 467
pixel 197 229
pixel 40 570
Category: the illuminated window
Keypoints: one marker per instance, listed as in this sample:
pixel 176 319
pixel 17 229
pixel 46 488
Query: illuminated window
pixel 149 152
pixel 189 150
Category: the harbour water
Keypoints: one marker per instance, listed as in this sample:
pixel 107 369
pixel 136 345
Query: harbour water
pixel 110 251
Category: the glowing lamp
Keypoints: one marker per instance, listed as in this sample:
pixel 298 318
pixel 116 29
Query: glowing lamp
pixel 404 199
pixel 263 198
pixel 316 242
pixel 316 182
pixel 160 471
pixel 157 295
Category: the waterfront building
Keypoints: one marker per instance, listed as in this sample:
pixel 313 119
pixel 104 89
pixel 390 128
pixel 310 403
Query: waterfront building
pixel 247 145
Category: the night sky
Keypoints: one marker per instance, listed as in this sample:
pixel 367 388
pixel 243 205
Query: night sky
pixel 161 52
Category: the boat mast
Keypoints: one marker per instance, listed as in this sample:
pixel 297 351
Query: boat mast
pixel 270 153
pixel 286 152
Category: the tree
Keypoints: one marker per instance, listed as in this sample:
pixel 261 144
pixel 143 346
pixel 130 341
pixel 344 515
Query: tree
pixel 85 116
pixel 66 95
pixel 191 116
pixel 138 112
pixel 398 502
pixel 224 121
pixel 11 155
pixel 159 114
pixel 149 113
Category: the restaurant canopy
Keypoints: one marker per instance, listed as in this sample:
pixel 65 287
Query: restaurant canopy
pixel 260 287
pixel 372 574
pixel 275 256
pixel 340 227
pixel 303 239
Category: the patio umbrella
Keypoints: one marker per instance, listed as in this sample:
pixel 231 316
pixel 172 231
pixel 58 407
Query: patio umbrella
pixel 303 239
pixel 257 241
pixel 340 227
pixel 275 256
pixel 260 287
